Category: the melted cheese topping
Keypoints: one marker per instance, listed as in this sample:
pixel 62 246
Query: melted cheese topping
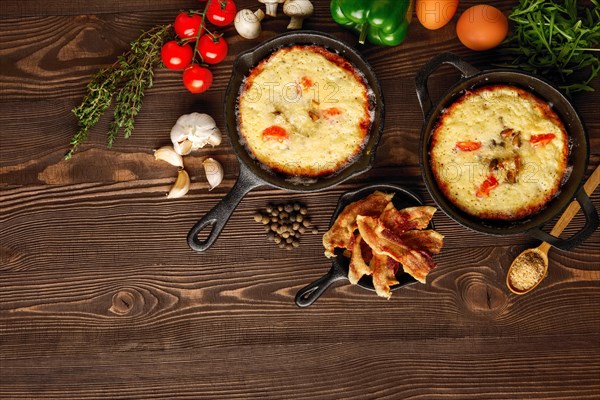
pixel 304 112
pixel 503 120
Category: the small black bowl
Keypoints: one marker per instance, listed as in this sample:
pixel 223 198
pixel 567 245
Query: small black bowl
pixel 340 264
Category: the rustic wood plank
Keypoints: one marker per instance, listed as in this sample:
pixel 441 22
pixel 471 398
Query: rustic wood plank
pixel 275 372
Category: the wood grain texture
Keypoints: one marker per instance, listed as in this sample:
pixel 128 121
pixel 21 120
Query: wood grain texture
pixel 100 297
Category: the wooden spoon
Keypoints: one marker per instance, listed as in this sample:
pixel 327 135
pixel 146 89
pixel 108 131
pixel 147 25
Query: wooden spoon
pixel 539 255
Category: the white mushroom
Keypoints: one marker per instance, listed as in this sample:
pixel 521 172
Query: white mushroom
pixel 298 10
pixel 247 23
pixel 193 131
pixel 271 6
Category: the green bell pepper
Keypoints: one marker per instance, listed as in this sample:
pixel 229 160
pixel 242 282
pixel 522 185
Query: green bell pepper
pixel 384 22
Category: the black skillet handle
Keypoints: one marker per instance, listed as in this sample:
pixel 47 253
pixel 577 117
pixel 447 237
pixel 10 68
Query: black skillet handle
pixel 310 293
pixel 464 67
pixel 591 224
pixel 219 215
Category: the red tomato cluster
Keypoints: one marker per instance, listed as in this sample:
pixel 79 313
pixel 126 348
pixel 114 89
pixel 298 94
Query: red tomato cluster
pixel 212 48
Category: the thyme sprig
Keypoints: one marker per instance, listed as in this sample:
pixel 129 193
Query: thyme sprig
pixel 125 81
pixel 557 40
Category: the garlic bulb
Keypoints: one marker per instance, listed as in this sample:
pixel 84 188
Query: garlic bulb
pixel 181 186
pixel 214 172
pixel 193 131
pixel 168 154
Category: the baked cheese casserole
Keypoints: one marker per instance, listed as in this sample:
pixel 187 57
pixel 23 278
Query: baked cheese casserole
pixel 499 152
pixel 304 111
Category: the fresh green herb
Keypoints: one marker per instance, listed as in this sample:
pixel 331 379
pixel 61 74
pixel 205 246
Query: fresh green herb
pixel 557 40
pixel 125 81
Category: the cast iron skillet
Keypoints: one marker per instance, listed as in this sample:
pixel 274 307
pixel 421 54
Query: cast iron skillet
pixel 578 156
pixel 340 264
pixel 252 174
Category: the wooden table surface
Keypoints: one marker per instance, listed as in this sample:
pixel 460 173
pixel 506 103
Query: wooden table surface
pixel 100 296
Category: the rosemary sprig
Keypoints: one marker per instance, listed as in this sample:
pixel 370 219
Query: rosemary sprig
pixel 125 81
pixel 556 39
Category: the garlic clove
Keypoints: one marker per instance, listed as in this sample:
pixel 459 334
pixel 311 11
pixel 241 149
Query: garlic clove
pixel 183 147
pixel 214 172
pixel 215 138
pixel 168 154
pixel 181 186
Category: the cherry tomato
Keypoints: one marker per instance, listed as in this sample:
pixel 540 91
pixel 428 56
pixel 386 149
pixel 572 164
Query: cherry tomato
pixel 212 49
pixel 187 26
pixel 487 186
pixel 541 139
pixel 468 146
pixel 197 79
pixel 221 12
pixel 175 56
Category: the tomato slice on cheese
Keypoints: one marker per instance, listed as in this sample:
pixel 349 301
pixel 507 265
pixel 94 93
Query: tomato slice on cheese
pixel 541 139
pixel 306 82
pixel 468 146
pixel 487 186
pixel 332 112
pixel 275 132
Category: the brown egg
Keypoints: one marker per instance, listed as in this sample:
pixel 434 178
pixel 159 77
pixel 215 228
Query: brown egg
pixel 482 27
pixel 433 14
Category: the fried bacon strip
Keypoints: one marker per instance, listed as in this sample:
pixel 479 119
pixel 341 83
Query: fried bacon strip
pixel 407 223
pixel 427 240
pixel 400 221
pixel 417 263
pixel 341 232
pixel 384 274
pixel 358 266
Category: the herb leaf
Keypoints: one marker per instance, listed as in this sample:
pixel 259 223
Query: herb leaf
pixel 124 82
pixel 557 40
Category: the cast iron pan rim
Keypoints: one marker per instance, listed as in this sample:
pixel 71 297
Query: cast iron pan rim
pixel 470 222
pixel 463 81
pixel 363 161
